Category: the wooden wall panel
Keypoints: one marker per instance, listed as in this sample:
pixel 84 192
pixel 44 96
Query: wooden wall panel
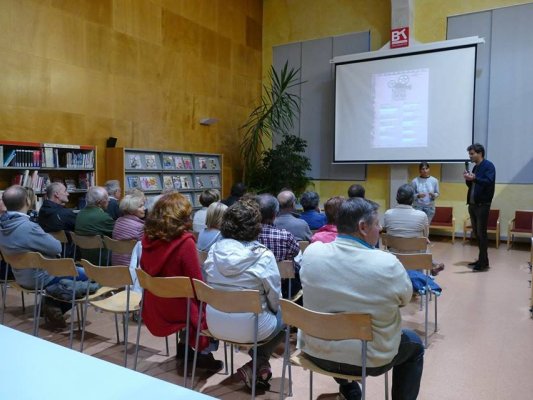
pixel 144 71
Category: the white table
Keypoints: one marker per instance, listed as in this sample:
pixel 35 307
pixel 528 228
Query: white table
pixel 33 368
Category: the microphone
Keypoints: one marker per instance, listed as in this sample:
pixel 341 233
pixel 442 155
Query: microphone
pixel 467 166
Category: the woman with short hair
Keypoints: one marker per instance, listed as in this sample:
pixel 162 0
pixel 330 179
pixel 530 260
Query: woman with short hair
pixel 213 221
pixel 130 225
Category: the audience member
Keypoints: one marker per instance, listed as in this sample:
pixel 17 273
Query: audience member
pixel 286 220
pixel 404 221
pixel 366 280
pixel 168 249
pixel 93 220
pixel 356 190
pixel 237 191
pixel 211 233
pixel 236 262
pixel 19 235
pixel 311 214
pixel 53 215
pixel 328 233
pixel 426 191
pixel 281 242
pixel 129 226
pixel 114 192
pixel 207 197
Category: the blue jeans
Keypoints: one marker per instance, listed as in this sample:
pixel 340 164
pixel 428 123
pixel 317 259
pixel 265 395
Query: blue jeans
pixel 406 366
pixel 81 277
pixel 429 210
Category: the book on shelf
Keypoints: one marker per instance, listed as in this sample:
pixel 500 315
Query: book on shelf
pixel 48 160
pixel 168 162
pixel 150 162
pixel 197 198
pixel 134 161
pixel 1 155
pixel 10 157
pixel 185 182
pixel 187 162
pixel 134 182
pixel 188 197
pixel 215 183
pixel 199 183
pixel 202 163
pixel 168 182
pixel 176 181
pixel 86 180
pixel 178 162
pixel 213 163
pixel 70 185
pixel 149 182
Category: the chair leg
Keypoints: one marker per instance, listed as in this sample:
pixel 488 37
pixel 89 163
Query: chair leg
pixel 387 385
pixel 23 305
pixel 166 346
pixel 116 329
pixel 139 322
pixel 225 358
pixel 426 319
pixel 231 357
pixel 310 385
pixel 436 329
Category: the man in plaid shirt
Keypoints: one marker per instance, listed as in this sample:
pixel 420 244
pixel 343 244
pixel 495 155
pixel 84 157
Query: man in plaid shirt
pixel 279 241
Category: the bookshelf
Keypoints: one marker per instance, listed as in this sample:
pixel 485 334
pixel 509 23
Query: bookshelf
pixel 154 171
pixel 35 165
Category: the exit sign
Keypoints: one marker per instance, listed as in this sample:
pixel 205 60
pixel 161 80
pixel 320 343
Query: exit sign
pixel 399 37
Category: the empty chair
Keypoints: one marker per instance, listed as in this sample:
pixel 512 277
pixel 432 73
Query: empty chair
pixel 286 271
pixel 124 302
pixel 332 327
pixel 167 287
pixel 520 225
pixel 493 225
pixel 444 220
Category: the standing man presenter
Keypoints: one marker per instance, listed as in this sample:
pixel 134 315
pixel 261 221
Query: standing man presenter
pixel 480 184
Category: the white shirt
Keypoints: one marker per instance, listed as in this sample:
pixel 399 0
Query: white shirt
pixel 405 221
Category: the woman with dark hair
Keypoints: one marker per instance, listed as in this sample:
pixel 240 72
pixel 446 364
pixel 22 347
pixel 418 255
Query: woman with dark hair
pixel 237 262
pixel 168 249
pixel 426 191
pixel 328 233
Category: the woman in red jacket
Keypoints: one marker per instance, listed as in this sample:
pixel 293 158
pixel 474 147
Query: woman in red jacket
pixel 169 249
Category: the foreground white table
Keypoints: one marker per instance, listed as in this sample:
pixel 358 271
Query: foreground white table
pixel 33 368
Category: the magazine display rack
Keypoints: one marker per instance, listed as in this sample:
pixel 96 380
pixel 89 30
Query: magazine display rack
pixel 35 165
pixel 154 171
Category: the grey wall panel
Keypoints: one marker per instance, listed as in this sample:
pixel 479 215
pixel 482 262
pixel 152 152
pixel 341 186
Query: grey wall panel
pixel 291 53
pixel 510 139
pixel 476 24
pixel 317 93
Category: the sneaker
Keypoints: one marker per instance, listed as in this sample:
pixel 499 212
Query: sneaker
pixel 245 374
pixel 54 318
pixel 264 374
pixel 208 362
pixel 436 269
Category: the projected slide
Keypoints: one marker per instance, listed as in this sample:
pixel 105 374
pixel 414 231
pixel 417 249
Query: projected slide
pixel 400 109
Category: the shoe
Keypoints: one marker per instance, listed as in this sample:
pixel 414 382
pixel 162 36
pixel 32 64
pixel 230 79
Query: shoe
pixel 436 269
pixel 480 268
pixel 208 362
pixel 53 317
pixel 350 391
pixel 264 374
pixel 245 374
pixel 473 264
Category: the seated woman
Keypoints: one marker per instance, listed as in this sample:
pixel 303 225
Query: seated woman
pixel 238 261
pixel 328 233
pixel 211 233
pixel 130 225
pixel 168 249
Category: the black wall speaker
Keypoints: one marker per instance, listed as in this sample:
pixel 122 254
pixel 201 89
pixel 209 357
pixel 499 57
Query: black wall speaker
pixel 111 141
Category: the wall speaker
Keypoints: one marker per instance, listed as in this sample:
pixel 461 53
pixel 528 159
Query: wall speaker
pixel 111 141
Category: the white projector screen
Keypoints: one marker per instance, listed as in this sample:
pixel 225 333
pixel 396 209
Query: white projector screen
pixel 405 108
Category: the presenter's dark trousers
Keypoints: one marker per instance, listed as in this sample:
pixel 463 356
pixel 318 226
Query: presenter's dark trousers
pixel 479 216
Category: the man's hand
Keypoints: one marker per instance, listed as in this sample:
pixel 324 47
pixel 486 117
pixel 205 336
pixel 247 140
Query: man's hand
pixel 469 176
pixel 420 195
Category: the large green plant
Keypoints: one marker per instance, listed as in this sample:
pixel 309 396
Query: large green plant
pixel 275 114
pixel 284 166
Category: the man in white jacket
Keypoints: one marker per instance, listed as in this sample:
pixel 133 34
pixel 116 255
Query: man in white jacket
pixel 351 275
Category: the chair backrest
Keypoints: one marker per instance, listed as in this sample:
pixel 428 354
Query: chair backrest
pixel 401 244
pixel 60 235
pixel 26 260
pixel 523 220
pixel 494 217
pixel 327 326
pixel 119 246
pixel 113 276
pixel 166 287
pixel 87 242
pixel 443 215
pixel 58 266
pixel 236 301
pixel 303 245
pixel 415 260
pixel 202 256
pixel 286 269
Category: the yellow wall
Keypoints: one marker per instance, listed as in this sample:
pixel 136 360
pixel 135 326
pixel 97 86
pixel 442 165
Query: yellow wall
pixel 286 21
pixel 144 71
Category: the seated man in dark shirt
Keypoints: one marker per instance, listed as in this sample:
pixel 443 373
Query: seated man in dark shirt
pixel 311 214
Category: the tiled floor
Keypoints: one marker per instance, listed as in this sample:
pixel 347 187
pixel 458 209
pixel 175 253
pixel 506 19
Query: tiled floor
pixel 483 349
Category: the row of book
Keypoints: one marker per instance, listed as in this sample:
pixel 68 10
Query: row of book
pixel 152 182
pixel 38 181
pixel 46 157
pixel 152 161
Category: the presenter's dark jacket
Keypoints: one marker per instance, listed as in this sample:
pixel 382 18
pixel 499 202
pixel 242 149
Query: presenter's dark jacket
pixel 484 183
pixel 113 208
pixel 54 217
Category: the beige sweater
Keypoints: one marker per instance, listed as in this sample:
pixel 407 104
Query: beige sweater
pixel 346 276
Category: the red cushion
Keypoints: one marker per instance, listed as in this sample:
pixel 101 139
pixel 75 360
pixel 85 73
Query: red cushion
pixel 523 221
